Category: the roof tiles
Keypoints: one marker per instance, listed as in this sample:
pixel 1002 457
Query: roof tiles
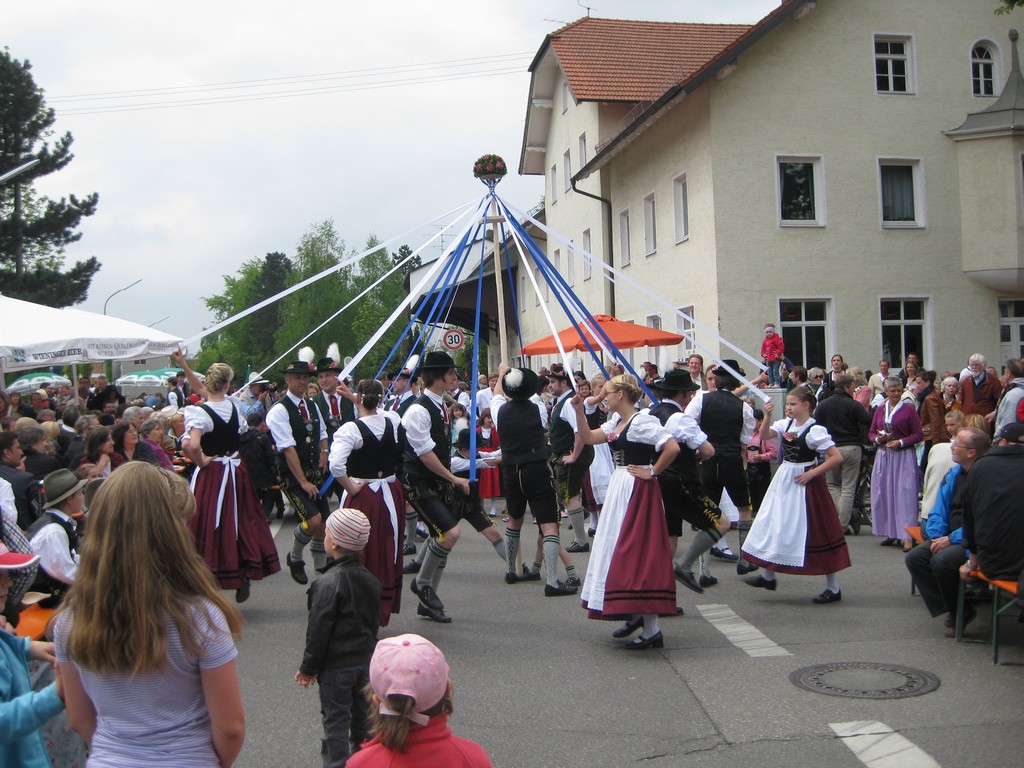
pixel 622 60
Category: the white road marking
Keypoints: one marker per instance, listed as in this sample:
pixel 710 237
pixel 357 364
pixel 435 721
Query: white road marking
pixel 876 745
pixel 740 633
pixel 275 526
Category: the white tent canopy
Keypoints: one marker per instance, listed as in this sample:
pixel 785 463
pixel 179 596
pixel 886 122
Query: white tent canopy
pixel 37 336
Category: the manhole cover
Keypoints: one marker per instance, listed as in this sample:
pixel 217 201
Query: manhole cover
pixel 865 680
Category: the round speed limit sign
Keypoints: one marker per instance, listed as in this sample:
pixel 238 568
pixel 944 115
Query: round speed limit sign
pixel 454 339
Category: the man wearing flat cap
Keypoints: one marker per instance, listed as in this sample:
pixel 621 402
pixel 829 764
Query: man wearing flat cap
pixel 430 486
pixel 300 434
pixel 54 536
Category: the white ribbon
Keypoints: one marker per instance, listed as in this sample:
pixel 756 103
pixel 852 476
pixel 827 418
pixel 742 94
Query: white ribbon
pixel 379 485
pixel 230 464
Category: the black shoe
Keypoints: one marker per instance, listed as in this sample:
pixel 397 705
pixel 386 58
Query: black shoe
pixel 763 583
pixel 707 581
pixel 680 611
pixel 413 566
pixel 529 575
pixel 577 547
pixel 687 579
pixel 743 567
pixel 592 532
pixel 573 581
pixel 427 595
pixel 429 613
pixel 510 577
pixel 828 596
pixel 558 590
pixel 654 641
pixel 409 549
pixel 629 628
pixel 421 535
pixel 731 557
pixel 298 569
pixel 242 593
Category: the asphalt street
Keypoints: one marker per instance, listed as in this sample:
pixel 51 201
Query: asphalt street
pixel 538 684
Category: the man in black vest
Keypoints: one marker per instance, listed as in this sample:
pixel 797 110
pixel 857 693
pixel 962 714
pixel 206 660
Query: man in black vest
pixel 300 434
pixel 401 396
pixel 569 457
pixel 680 482
pixel 54 536
pixel 335 401
pixel 526 475
pixel 175 396
pixel 429 483
pixel 729 424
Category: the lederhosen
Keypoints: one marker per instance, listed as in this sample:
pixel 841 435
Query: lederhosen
pixel 307 445
pixel 527 477
pixel 681 491
pixel 44 582
pixel 431 496
pixel 568 477
pixel 721 419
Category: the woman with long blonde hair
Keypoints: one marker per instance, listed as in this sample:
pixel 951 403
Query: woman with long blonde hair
pixel 145 639
pixel 230 526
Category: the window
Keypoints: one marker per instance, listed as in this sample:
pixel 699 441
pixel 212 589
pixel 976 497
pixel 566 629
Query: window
pixel 570 264
pixel 566 95
pixel 893 65
pixel 801 192
pixel 567 170
pixel 900 193
pixel 902 329
pixel 588 268
pixel 684 326
pixel 624 238
pixel 804 330
pixel 1011 328
pixel 679 208
pixel 650 226
pixel 983 74
pixel 536 293
pixel 653 321
pixel 522 294
pixel 583 149
pixel 554 183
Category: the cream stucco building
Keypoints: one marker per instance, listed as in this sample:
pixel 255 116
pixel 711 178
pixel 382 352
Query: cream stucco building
pixel 806 170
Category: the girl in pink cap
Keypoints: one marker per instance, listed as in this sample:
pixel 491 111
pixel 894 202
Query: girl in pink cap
pixel 410 704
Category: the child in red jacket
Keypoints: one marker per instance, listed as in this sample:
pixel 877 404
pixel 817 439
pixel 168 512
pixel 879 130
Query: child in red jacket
pixel 772 351
pixel 411 701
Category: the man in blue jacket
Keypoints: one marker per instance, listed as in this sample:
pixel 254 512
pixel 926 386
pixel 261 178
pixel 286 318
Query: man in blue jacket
pixel 935 564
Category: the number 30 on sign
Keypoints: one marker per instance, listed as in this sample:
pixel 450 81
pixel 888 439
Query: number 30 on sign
pixel 454 339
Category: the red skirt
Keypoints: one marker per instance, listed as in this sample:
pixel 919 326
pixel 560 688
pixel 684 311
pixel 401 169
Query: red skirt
pixel 382 555
pixel 490 482
pixel 232 552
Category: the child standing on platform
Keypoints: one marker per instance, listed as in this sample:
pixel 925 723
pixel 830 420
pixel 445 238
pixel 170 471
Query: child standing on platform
pixel 773 349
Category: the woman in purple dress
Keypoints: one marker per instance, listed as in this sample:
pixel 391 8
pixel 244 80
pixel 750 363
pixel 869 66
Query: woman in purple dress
pixel 895 429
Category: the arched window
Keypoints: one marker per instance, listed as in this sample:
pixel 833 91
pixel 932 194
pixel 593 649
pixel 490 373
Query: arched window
pixel 983 74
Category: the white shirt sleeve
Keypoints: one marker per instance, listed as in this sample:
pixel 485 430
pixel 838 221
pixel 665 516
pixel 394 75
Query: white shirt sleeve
pixel 645 428
pixel 346 439
pixel 417 429
pixel 280 427
pixel 818 438
pixel 8 507
pixel 749 422
pixel 685 430
pixel 51 544
pixel 568 414
pixel 693 408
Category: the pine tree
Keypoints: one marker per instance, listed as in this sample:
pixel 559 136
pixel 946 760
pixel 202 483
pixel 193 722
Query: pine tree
pixel 34 230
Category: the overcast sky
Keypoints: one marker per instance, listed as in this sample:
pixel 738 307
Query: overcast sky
pixel 410 93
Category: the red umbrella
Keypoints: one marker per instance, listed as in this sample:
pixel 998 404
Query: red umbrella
pixel 622 335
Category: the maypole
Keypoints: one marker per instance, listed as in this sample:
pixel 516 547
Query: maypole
pixel 490 169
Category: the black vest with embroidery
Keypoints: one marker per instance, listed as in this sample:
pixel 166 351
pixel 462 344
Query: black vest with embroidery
pixel 331 422
pixel 560 434
pixel 45 582
pixel 307 438
pixel 522 433
pixel 379 457
pixel 721 419
pixel 439 433
pixel 222 440
pixel 797 451
pixel 626 452
pixel 684 466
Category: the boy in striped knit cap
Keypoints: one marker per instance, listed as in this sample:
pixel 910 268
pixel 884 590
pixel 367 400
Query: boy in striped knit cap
pixel 344 616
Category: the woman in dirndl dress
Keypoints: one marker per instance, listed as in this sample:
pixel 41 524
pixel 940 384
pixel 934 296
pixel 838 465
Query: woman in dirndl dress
pixel 487 441
pixel 366 459
pixel 896 430
pixel 797 529
pixel 229 527
pixel 629 576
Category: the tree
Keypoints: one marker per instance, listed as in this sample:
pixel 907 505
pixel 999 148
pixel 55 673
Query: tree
pixel 34 230
pixel 404 252
pixel 1009 5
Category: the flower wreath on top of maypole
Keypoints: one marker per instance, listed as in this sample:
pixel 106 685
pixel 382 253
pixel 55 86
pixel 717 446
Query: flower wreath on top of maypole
pixel 489 169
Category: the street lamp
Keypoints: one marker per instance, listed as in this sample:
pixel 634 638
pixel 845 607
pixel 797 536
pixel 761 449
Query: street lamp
pixel 117 292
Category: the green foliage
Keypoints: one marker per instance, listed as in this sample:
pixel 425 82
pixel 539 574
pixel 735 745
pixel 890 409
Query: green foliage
pixel 1009 5
pixel 34 230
